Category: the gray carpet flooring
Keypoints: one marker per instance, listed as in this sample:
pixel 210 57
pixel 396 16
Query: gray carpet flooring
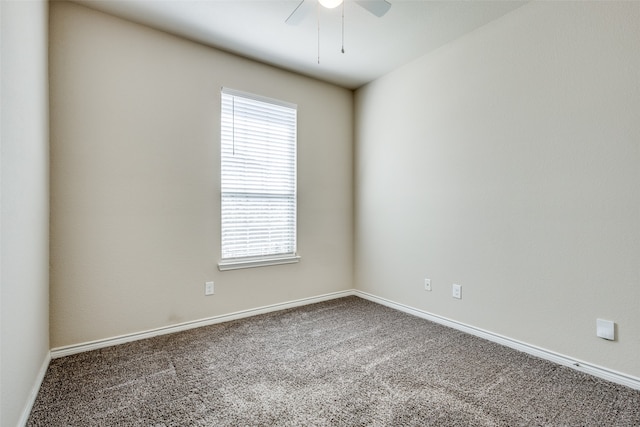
pixel 346 362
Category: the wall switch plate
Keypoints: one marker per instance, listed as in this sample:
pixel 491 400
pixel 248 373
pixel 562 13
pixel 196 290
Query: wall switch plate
pixel 208 288
pixel 427 284
pixel 606 329
pixel 457 291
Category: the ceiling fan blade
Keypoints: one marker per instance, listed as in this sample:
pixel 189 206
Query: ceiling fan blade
pixel 377 7
pixel 299 13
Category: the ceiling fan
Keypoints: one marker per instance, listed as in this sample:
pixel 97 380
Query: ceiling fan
pixel 376 7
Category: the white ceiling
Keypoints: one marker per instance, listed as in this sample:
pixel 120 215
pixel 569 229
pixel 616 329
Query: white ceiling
pixel 256 29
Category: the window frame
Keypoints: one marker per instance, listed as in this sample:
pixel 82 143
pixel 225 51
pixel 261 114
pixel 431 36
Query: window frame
pixel 241 262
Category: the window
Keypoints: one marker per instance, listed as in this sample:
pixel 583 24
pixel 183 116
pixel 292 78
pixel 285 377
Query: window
pixel 258 181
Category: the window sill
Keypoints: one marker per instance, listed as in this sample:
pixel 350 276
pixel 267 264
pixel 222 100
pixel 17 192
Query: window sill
pixel 237 264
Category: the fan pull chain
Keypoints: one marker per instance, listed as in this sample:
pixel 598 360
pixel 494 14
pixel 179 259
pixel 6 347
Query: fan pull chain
pixel 343 27
pixel 318 22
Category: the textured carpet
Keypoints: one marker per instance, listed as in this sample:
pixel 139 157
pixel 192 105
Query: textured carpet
pixel 346 362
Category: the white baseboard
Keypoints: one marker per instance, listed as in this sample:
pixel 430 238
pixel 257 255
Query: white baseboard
pixel 596 371
pixel 108 342
pixel 34 391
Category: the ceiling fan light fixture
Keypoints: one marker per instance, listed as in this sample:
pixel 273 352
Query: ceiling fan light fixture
pixel 330 4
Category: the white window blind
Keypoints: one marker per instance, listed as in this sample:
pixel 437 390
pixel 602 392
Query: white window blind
pixel 258 180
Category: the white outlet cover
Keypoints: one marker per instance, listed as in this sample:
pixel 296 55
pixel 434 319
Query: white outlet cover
pixel 457 291
pixel 208 288
pixel 606 329
pixel 427 284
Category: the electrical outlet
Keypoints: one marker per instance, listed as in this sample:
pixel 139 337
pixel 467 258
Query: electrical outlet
pixel 208 288
pixel 457 291
pixel 427 284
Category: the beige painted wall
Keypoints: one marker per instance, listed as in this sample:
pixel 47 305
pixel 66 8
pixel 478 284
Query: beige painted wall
pixel 24 195
pixel 135 180
pixel 509 162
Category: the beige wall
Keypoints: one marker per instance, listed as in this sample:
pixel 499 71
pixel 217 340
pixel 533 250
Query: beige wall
pixel 24 217
pixel 135 225
pixel 509 162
